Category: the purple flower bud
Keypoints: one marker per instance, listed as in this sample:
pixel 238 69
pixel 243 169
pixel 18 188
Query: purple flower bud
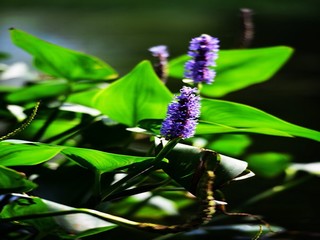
pixel 182 115
pixel 161 52
pixel 203 51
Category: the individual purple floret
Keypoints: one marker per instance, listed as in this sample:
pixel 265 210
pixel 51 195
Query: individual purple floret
pixel 161 52
pixel 182 115
pixel 203 51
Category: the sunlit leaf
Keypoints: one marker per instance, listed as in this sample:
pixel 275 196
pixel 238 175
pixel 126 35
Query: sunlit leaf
pixel 268 164
pixel 231 144
pixel 250 119
pixel 25 154
pixel 84 98
pixel 13 181
pixel 237 69
pixel 15 153
pixel 102 161
pixel 138 95
pixel 39 91
pixel 62 62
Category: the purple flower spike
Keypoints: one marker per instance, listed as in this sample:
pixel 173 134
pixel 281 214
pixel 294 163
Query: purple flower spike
pixel 203 51
pixel 182 115
pixel 161 52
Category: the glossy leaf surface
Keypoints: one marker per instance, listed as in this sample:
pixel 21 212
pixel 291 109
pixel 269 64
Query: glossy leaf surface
pixel 237 69
pixel 62 62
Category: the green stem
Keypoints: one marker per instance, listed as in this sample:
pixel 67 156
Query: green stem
pixel 153 165
pixel 96 196
pixel 100 215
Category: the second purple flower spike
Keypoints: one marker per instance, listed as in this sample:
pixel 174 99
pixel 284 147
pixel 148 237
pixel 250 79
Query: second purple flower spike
pixel 203 51
pixel 182 115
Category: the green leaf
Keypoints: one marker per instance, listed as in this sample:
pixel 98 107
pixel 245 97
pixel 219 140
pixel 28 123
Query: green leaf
pixel 16 153
pixel 84 98
pixel 238 69
pixel 57 127
pixel 13 181
pixel 138 95
pixel 62 62
pixel 102 161
pixel 25 205
pixel 231 144
pixel 249 119
pixel 25 154
pixel 268 164
pixel 39 91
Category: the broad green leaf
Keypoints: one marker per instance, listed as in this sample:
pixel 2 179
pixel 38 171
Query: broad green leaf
pixel 268 164
pixel 25 154
pixel 39 91
pixel 62 62
pixel 230 144
pixel 84 98
pixel 138 95
pixel 250 119
pixel 16 153
pixel 238 69
pixel 102 161
pixel 13 181
pixel 152 126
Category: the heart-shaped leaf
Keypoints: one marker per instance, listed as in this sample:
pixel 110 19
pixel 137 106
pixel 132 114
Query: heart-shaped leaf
pixel 138 95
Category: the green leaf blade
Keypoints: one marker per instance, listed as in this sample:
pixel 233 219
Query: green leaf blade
pixel 38 91
pixel 13 181
pixel 98 160
pixel 62 62
pixel 25 154
pixel 138 95
pixel 249 119
pixel 238 69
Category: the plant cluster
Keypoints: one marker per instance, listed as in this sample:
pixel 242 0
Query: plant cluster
pixel 85 151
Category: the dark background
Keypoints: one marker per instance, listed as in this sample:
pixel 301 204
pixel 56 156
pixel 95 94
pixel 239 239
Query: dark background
pixel 120 32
